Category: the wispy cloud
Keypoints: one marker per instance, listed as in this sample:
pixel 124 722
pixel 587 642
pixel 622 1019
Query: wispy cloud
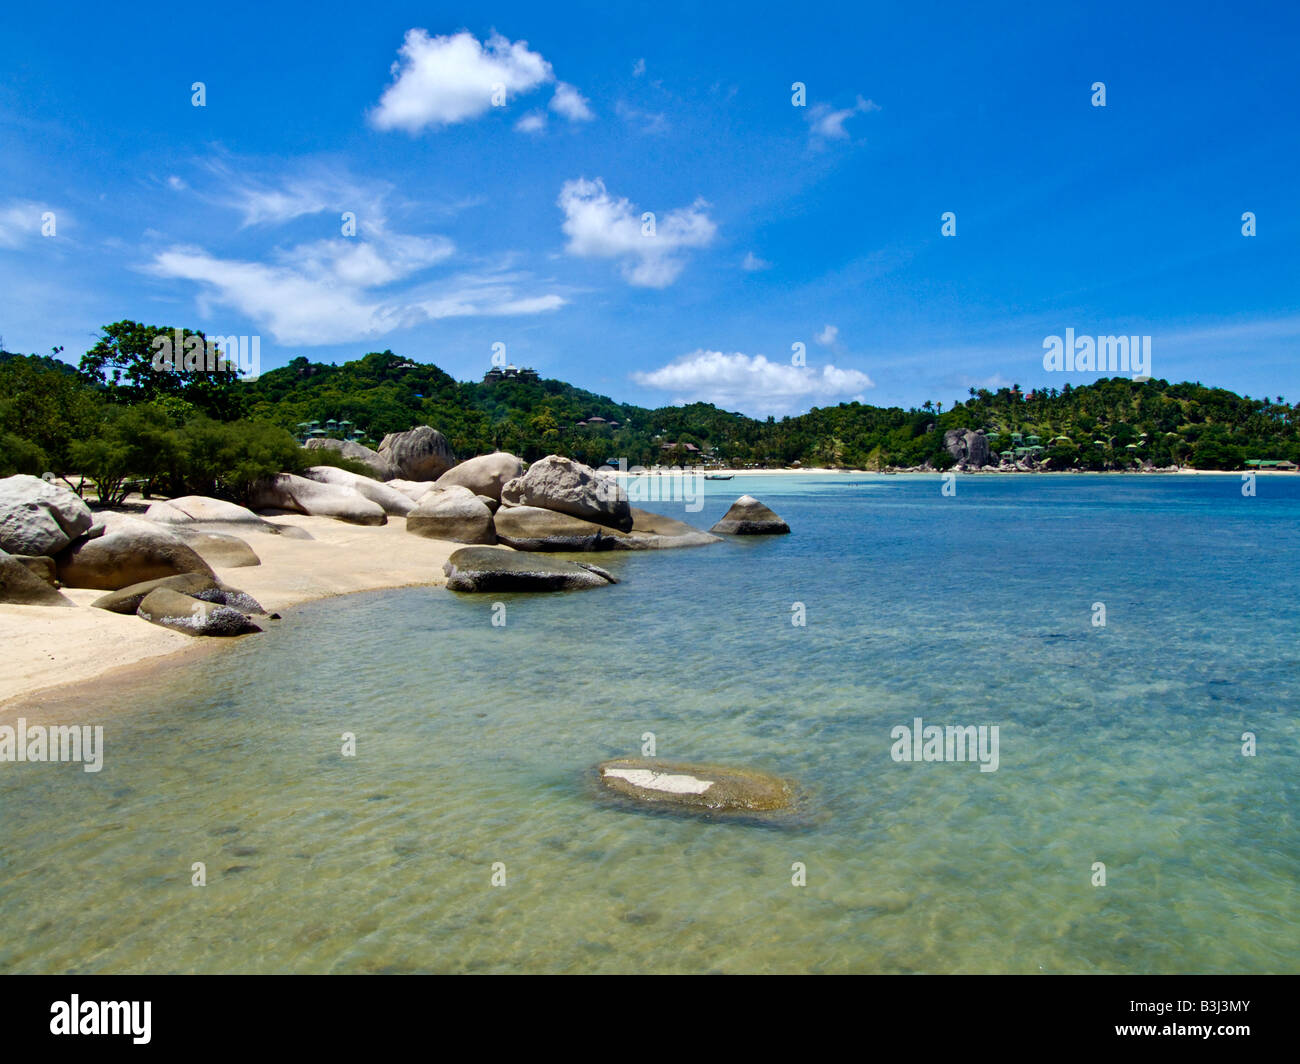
pixel 20 222
pixel 752 263
pixel 651 123
pixel 601 227
pixel 828 335
pixel 753 383
pixel 827 123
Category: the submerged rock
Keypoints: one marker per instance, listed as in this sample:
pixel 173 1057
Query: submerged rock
pixel 192 616
pixel 693 786
pixel 749 517
pixel 493 569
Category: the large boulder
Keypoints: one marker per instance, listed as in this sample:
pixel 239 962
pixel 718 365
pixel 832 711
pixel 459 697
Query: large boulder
pixel 285 491
pixel 195 585
pixel 171 609
pixel 749 517
pixel 454 513
pixel 707 788
pixel 534 529
pixel 129 551
pixel 561 484
pixel 493 569
pixel 394 502
pixel 216 515
pixel 218 548
pixel 22 587
pixel 37 517
pixel 969 448
pixel 420 454
pixel 485 475
pixel 415 490
pixel 376 462
pixel 128 599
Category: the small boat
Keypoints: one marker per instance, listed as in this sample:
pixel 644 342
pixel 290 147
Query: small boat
pixel 718 476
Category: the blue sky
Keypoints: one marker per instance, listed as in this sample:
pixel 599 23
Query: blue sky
pixel 521 224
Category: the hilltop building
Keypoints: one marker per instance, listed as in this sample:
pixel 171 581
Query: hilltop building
pixel 511 372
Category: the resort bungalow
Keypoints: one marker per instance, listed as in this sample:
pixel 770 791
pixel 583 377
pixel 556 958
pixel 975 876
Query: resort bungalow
pixel 1271 463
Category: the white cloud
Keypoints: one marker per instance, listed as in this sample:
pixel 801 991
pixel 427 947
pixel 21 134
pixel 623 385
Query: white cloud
pixel 176 183
pixel 752 383
pixel 828 124
pixel 20 221
pixel 752 263
pixel 532 122
pixel 599 226
pixel 569 102
pixel 639 68
pixel 439 81
pixel 313 297
pixel 828 335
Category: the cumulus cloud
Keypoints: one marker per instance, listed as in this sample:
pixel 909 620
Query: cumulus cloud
pixel 569 102
pixel 752 383
pixel 601 227
pixel 828 123
pixel 439 81
pixel 828 335
pixel 752 263
pixel 532 122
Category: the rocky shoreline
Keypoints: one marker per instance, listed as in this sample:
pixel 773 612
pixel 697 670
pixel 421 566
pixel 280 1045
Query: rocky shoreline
pixel 201 567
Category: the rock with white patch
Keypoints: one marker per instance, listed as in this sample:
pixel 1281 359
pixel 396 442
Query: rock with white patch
pixel 708 788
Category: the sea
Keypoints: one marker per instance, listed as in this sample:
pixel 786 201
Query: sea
pixel 392 782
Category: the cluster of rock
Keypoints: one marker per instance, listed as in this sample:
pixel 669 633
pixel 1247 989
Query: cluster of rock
pixel 159 568
pixel 970 448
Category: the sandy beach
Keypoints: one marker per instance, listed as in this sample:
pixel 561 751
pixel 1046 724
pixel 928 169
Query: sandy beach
pixel 46 648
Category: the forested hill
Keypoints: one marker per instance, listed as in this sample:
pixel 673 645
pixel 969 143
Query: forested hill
pixel 117 412
pixel 1111 422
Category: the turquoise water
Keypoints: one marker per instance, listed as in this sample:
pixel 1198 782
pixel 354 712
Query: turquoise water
pixel 1119 744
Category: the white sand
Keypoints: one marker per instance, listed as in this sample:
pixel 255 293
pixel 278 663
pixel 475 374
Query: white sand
pixel 46 646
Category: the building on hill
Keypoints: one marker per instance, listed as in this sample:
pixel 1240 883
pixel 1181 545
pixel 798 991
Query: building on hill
pixel 331 430
pixel 510 372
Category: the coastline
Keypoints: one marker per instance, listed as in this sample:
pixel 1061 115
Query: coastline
pixel 49 649
pixel 53 652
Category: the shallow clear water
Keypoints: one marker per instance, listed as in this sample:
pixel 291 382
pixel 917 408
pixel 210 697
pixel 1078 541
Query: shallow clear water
pixel 475 745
